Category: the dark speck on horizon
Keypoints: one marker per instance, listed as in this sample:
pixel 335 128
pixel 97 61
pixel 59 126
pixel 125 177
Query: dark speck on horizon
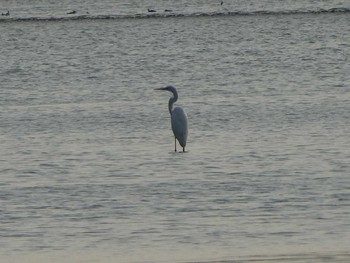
pixel 6 14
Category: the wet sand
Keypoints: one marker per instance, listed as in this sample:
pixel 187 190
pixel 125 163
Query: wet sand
pixel 177 257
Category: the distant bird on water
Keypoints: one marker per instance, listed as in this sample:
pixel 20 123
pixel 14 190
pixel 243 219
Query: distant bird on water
pixel 178 119
pixel 151 10
pixel 71 12
pixel 6 14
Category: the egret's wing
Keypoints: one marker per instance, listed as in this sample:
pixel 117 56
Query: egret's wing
pixel 179 125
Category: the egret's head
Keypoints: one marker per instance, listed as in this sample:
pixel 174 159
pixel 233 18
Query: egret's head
pixel 168 88
pixel 173 98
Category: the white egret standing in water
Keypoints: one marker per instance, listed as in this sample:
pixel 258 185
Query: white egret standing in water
pixel 178 119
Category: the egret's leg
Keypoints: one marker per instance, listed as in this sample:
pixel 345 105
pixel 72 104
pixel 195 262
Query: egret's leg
pixel 183 149
pixel 175 144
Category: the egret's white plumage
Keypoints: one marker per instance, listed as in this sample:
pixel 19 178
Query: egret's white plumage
pixel 179 123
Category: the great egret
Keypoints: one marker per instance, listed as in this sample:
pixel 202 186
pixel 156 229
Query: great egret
pixel 178 119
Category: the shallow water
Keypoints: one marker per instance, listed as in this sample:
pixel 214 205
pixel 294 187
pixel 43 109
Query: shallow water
pixel 87 163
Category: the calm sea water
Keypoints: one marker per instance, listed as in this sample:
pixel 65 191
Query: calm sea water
pixel 87 168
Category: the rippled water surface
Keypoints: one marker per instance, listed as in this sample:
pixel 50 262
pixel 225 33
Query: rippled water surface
pixel 87 165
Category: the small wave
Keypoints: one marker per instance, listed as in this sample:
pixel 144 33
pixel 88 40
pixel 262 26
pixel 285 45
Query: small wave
pixel 175 14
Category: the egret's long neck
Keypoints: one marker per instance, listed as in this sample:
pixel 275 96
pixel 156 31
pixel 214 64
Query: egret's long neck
pixel 172 100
